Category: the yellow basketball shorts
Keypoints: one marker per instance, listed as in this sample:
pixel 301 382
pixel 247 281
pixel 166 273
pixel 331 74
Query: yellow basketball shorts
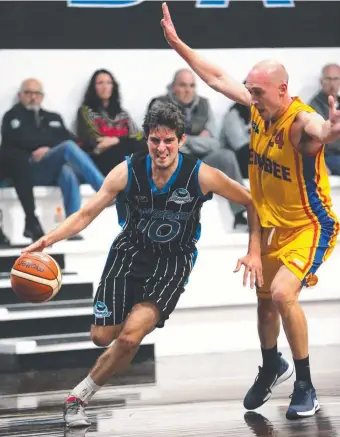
pixel 301 250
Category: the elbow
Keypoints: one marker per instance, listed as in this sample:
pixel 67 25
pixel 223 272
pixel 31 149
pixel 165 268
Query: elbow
pixel 249 204
pixel 214 82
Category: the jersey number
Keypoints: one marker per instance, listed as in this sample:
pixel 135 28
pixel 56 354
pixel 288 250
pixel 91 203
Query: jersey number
pixel 278 139
pixel 160 231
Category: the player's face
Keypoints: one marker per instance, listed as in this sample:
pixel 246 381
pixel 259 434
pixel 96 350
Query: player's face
pixel 104 86
pixel 163 147
pixel 265 96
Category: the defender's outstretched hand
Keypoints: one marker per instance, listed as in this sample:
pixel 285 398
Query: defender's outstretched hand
pixel 253 266
pixel 168 26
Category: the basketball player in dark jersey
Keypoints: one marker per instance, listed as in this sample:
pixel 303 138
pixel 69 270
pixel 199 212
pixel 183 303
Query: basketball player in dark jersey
pixel 151 259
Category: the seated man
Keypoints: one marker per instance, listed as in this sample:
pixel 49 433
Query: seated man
pixel 41 139
pixel 201 141
pixel 235 134
pixel 330 85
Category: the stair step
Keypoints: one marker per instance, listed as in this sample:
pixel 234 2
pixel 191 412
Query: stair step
pixel 47 343
pixel 44 306
pixel 57 359
pixel 48 322
pixel 73 288
pixel 9 256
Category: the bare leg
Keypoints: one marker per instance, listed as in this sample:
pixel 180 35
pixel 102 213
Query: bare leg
pixel 285 293
pixel 117 357
pixel 268 323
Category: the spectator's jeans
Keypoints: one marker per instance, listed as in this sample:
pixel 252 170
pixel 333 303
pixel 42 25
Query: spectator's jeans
pixel 333 163
pixel 59 167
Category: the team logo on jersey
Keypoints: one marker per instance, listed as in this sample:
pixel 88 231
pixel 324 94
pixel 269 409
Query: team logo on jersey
pixel 255 127
pixel 141 199
pixel 101 311
pixel 181 196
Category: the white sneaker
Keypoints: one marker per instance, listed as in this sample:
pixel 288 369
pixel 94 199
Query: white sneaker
pixel 74 413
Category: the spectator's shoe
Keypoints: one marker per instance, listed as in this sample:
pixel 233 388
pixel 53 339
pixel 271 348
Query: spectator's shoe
pixel 240 220
pixel 259 424
pixel 33 229
pixel 261 390
pixel 76 237
pixel 74 413
pixel 304 402
pixel 4 241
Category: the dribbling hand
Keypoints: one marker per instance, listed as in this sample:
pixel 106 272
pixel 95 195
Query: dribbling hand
pixel 168 26
pixel 37 246
pixel 253 266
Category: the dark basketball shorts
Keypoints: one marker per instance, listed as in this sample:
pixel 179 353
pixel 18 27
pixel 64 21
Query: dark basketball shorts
pixel 133 276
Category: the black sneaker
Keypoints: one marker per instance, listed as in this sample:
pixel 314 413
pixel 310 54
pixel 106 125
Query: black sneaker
pixel 240 220
pixel 4 241
pixel 304 402
pixel 261 390
pixel 33 229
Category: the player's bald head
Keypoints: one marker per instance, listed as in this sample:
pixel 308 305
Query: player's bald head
pixel 268 71
pixel 267 83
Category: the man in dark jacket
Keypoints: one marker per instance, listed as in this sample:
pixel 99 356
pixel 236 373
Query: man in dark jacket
pixel 330 85
pixel 37 149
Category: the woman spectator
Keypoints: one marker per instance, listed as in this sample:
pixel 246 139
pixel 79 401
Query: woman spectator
pixel 106 131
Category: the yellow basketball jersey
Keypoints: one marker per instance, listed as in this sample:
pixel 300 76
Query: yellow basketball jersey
pixel 289 189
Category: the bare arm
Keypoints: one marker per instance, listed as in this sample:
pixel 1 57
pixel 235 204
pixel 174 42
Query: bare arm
pixel 209 73
pixel 319 130
pixel 115 182
pixel 215 181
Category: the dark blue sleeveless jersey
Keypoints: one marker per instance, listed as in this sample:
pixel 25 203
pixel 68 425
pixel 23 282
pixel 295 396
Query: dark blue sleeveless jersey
pixel 163 221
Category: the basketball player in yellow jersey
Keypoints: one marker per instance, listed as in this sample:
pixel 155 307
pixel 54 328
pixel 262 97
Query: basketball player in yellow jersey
pixel 290 189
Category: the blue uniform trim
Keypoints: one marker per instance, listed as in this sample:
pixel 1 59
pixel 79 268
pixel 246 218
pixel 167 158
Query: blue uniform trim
pixel 326 222
pixel 128 185
pixel 197 168
pixel 167 186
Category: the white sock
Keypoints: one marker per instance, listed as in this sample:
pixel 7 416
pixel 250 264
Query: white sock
pixel 85 390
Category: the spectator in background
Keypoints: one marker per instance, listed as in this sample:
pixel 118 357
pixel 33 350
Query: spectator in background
pixel 106 131
pixel 4 240
pixel 37 143
pixel 235 134
pixel 201 140
pixel 330 85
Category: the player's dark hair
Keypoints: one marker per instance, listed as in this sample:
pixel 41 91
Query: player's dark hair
pixel 164 115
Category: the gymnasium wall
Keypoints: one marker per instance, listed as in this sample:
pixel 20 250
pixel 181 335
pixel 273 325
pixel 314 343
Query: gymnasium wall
pixel 143 74
pixel 63 45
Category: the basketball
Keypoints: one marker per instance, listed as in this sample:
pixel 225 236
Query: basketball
pixel 36 277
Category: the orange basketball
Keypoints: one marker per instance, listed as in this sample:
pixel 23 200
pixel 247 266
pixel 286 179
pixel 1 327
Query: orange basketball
pixel 36 277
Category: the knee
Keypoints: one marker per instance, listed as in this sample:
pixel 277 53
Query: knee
pixel 282 298
pixel 67 174
pixel 128 341
pixel 69 147
pixel 103 336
